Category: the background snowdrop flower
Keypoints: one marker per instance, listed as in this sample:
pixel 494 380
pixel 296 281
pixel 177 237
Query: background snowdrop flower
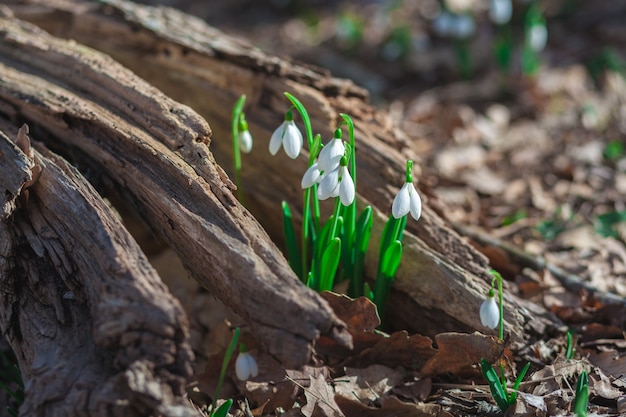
pixel 288 135
pixel 408 199
pixel 537 37
pixel 245 365
pixel 490 312
pixel 331 154
pixel 501 11
pixel 244 138
pixel 463 26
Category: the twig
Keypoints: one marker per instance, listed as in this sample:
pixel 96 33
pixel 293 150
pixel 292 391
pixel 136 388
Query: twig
pixel 569 281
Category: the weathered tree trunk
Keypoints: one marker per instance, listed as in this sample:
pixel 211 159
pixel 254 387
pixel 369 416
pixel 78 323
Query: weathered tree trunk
pixel 155 152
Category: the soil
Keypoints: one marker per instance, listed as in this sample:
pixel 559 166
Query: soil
pixel 530 168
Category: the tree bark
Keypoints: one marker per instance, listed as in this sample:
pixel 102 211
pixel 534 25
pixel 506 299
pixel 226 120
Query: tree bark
pixel 155 152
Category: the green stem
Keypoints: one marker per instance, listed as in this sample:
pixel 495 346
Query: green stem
pixel 236 152
pixel 229 353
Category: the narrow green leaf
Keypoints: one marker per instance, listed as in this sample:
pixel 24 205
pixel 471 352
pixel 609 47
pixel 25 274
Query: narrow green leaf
pixel 291 243
pixel 518 381
pixel 495 386
pixel 222 411
pixel 361 241
pixel 229 353
pixel 391 259
pixel 582 395
pixel 329 264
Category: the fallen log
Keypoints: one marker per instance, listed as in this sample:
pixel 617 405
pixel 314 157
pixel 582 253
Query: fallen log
pixel 94 329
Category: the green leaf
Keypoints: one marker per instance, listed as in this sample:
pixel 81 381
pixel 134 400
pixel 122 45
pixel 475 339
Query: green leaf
pixel 614 150
pixel 495 386
pixel 582 395
pixel 605 223
pixel 550 229
pixel 391 259
pixel 569 351
pixel 329 264
pixel 518 381
pixel 512 218
pixel 362 237
pixel 293 253
pixel 229 353
pixel 222 411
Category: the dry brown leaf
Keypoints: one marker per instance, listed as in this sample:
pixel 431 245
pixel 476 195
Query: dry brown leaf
pixel 359 314
pixel 609 362
pixel 459 351
pixel 368 384
pixel 399 349
pixel 391 407
pixel 320 399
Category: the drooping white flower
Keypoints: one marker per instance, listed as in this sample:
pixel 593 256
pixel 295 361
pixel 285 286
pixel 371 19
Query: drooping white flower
pixel 245 366
pixel 537 37
pixel 337 183
pixel 331 154
pixel 288 136
pixel 407 200
pixel 490 312
pixel 245 141
pixel 501 11
pixel 442 25
pixel 463 26
pixel 312 176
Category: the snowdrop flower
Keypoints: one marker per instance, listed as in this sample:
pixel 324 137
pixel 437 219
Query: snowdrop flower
pixel 407 200
pixel 331 154
pixel 501 11
pixel 288 135
pixel 312 176
pixel 245 138
pixel 463 26
pixel 337 183
pixel 537 37
pixel 443 23
pixel 245 365
pixel 490 312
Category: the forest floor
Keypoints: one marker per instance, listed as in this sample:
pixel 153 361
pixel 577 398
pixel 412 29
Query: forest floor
pixel 531 169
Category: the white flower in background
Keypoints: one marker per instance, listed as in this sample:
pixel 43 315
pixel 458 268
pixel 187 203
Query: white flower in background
pixel 537 37
pixel 407 200
pixel 463 26
pixel 245 366
pixel 490 312
pixel 500 11
pixel 337 183
pixel 288 135
pixel 244 138
pixel 331 154
pixel 442 25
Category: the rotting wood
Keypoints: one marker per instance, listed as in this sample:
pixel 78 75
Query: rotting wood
pixel 81 306
pixel 443 279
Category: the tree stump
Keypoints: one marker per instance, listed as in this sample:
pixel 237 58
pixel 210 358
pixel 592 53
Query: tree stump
pixel 159 155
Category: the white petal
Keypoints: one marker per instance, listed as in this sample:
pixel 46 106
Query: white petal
pixel 416 203
pixel 402 202
pixel 245 366
pixel 245 141
pixel 329 186
pixel 331 154
pixel 311 176
pixel 292 141
pixel 346 187
pixel 277 138
pixel 490 313
pixel 501 11
pixel 538 37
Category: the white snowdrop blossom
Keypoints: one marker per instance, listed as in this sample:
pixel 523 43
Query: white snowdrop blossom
pixel 501 11
pixel 490 312
pixel 442 25
pixel 331 154
pixel 463 26
pixel 245 366
pixel 337 183
pixel 288 136
pixel 245 141
pixel 407 200
pixel 312 176
pixel 537 37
